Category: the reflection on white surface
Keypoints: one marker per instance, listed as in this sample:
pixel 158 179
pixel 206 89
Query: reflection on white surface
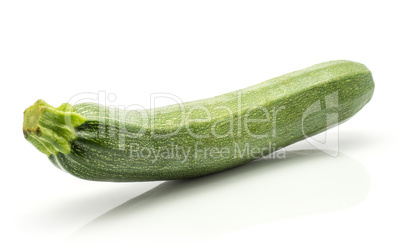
pixel 305 183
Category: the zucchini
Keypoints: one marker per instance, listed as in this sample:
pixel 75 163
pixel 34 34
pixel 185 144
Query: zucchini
pixel 101 143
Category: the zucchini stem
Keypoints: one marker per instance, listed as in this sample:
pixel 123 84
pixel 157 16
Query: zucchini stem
pixel 51 129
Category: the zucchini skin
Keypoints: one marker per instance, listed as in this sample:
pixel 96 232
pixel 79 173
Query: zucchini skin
pixel 168 143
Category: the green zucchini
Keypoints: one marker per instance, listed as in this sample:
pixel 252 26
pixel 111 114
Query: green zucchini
pixel 101 143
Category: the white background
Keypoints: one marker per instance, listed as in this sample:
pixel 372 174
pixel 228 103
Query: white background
pixel 55 50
